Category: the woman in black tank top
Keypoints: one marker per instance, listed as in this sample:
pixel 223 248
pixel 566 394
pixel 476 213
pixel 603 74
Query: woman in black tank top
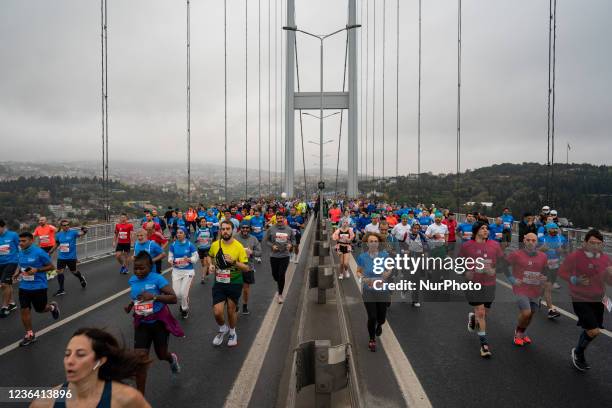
pixel 95 365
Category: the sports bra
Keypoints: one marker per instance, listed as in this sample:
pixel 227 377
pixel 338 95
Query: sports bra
pixel 105 399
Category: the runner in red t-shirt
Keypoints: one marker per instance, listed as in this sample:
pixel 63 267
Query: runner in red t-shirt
pixel 451 224
pixel 529 272
pixel 489 253
pixel 123 242
pixel 335 214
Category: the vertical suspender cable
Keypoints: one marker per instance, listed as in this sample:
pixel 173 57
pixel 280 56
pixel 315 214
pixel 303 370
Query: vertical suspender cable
pixel 259 95
pixel 297 71
pixel 458 103
pixel 554 94
pixel 360 170
pixel 374 95
pixel 342 111
pixel 102 100
pixel 419 116
pixel 105 172
pixel 269 97
pixel 275 93
pixel 282 117
pixel 367 85
pixel 246 99
pixel 188 104
pixel 397 93
pixel 225 89
pixel 384 46
pixel 550 18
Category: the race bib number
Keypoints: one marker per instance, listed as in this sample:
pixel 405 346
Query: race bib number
pixel 223 276
pixel 5 249
pixel 44 239
pixel 181 262
pixel 498 235
pixel 25 277
pixel 123 235
pixel 344 237
pixel 256 229
pixel 467 235
pixel 282 237
pixel 487 269
pixel 531 278
pixel 64 248
pixel 424 228
pixel 143 308
pixel 506 225
pixel 607 303
pixel 204 240
pixel 553 263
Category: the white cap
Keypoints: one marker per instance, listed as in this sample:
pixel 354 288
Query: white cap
pixel 546 208
pixel 553 212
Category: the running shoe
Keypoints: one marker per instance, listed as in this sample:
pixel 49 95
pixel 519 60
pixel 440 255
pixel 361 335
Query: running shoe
pixel 203 281
pixel 55 312
pixel 60 292
pixel 372 345
pixel 232 340
pixel 416 304
pixel 519 341
pixel 579 361
pixel 184 313
pixel 11 307
pixel 83 281
pixel 4 312
pixel 51 274
pixel 245 309
pixel 347 274
pixel 341 276
pixel 280 299
pixel 258 260
pixel 556 286
pixel 218 340
pixel 471 322
pixel 174 365
pixel 485 352
pixel 27 340
pixel 553 314
pixel 378 330
pixel 527 339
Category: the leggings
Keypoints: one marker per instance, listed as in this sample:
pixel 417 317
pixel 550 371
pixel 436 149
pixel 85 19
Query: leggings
pixel 181 283
pixel 279 268
pixel 377 313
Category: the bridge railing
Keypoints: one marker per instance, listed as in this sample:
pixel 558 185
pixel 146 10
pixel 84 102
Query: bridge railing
pixel 98 241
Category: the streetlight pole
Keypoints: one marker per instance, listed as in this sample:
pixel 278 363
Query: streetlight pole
pixel 321 38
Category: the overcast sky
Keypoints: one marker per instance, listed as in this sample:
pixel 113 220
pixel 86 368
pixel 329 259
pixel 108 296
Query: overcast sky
pixel 50 80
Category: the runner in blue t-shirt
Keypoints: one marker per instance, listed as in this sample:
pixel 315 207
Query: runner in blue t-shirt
pixel 32 273
pixel 204 237
pixel 554 245
pixel 9 257
pixel 296 223
pixel 508 222
pixel 66 245
pixel 151 247
pixel 464 230
pixel 182 255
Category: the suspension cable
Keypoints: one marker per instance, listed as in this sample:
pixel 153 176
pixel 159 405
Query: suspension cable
pixel 275 94
pixel 367 87
pixel 102 99
pixel 246 100
pixel 384 46
pixel 360 171
pixel 259 95
pixel 374 96
pixel 419 116
pixel 281 97
pixel 550 18
pixel 188 104
pixel 104 62
pixel 397 93
pixel 297 69
pixel 458 103
pixel 225 89
pixel 341 111
pixel 554 94
pixel 269 97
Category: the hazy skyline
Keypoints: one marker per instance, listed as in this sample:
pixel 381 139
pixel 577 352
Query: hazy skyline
pixel 50 81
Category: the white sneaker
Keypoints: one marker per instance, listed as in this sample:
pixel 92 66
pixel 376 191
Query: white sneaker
pixel 347 274
pixel 218 340
pixel 340 277
pixel 258 260
pixel 232 340
pixel 556 286
pixel 280 299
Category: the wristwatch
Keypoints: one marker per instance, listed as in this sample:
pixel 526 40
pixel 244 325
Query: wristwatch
pixel 155 298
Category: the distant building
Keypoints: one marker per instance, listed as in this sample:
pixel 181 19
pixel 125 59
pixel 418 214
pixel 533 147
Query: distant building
pixel 482 203
pixel 44 195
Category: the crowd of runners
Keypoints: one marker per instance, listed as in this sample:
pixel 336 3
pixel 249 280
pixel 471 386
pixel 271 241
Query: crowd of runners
pixel 224 242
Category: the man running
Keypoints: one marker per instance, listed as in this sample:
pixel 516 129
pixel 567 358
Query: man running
pixel 143 243
pixel 373 226
pixel 9 258
pixel 334 215
pixel 496 230
pixel 46 240
pixel 508 222
pixel 182 255
pixel 228 261
pixel 554 245
pixel 490 254
pixel 67 255
pixel 123 242
pixel 281 240
pixel 296 223
pixel 34 263
pixel 437 235
pixel 203 238
pixel 464 230
pixel 527 273
pixel 253 250
pixel 451 224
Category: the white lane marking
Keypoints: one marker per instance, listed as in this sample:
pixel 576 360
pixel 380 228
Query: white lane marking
pixel 244 385
pixel 410 386
pixel 563 312
pixel 70 318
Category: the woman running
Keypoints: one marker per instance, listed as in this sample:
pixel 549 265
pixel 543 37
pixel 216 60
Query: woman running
pixel 95 366
pixel 153 323
pixel 182 255
pixel 344 237
pixel 375 301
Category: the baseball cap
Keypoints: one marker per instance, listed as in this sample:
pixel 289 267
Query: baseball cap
pixel 245 223
pixel 552 225
pixel 553 212
pixel 546 208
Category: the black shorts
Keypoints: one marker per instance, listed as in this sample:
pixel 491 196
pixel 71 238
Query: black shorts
pixel 151 333
pixel 590 314
pixel 47 249
pixel 203 253
pixel 249 277
pixel 36 298
pixel 123 248
pixel 66 263
pixel 506 236
pixel 552 275
pixel 298 237
pixel 223 291
pixel 485 296
pixel 344 249
pixel 6 273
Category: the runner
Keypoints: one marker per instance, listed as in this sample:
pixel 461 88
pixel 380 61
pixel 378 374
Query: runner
pixel 437 234
pixel 451 224
pixel 527 273
pixel 491 255
pixel 402 230
pixel 425 220
pixel 344 237
pixel 153 323
pixel 203 238
pixel 179 222
pixel 373 225
pixel 334 215
pixel 96 366
pixel 417 246
pixel 508 222
pixel 190 219
pixel 151 247
pixel 253 250
pixel 296 223
pixel 182 255
pixel 588 270
pixel 554 245
pixel 281 240
pixel 464 230
pixel 123 242
pixel 496 231
pixel 46 240
pixel 526 226
pixel 34 263
pixel 67 255
pixel 375 301
pixel 159 239
pixel 228 261
pixel 9 258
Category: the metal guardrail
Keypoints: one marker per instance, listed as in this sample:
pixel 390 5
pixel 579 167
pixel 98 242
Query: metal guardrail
pixel 98 241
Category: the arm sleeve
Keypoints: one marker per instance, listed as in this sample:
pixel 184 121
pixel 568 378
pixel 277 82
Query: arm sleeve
pixel 257 249
pixel 194 255
pixel 267 239
pixel 171 255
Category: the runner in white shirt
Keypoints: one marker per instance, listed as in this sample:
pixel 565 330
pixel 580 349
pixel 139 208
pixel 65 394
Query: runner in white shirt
pixel 373 226
pixel 401 230
pixel 437 233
